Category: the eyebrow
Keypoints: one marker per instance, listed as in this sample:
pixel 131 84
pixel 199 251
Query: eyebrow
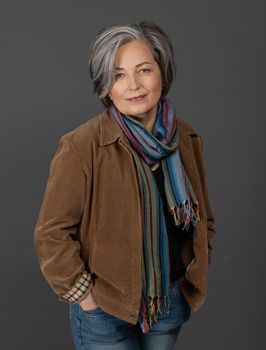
pixel 138 65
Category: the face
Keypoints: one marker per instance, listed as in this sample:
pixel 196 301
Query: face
pixel 137 86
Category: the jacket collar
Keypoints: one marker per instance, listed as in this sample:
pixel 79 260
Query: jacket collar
pixel 110 131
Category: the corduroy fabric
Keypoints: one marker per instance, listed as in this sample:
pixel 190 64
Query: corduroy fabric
pixel 91 218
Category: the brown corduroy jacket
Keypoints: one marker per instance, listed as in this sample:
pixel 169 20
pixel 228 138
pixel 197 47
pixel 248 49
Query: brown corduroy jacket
pixel 90 219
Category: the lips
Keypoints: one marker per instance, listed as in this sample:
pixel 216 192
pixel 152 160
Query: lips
pixel 136 98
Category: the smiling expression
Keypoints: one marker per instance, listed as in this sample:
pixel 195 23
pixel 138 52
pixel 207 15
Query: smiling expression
pixel 137 86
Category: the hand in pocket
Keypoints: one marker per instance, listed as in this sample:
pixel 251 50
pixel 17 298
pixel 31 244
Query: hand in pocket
pixel 88 303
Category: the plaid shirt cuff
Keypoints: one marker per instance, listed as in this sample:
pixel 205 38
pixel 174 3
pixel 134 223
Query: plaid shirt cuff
pixel 80 289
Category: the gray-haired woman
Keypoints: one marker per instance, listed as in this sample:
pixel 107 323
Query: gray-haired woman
pixel 125 227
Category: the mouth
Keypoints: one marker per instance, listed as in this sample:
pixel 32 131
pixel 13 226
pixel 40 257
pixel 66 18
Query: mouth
pixel 136 98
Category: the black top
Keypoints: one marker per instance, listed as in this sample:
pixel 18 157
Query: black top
pixel 175 234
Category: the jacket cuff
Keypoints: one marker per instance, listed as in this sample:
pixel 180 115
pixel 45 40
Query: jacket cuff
pixel 79 291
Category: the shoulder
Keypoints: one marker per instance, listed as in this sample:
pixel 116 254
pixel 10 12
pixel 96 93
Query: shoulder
pixel 185 127
pixel 186 130
pixel 85 132
pixel 81 141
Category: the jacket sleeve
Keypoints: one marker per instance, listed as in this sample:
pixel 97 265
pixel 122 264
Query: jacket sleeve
pixel 210 217
pixel 56 232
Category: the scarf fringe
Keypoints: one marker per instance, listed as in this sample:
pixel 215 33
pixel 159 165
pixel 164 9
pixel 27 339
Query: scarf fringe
pixel 156 306
pixel 185 213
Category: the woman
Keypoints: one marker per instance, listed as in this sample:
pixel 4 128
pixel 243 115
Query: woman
pixel 125 227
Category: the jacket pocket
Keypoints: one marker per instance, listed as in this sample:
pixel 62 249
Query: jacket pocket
pixel 105 280
pixel 100 271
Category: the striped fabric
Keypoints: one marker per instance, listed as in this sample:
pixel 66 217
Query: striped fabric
pixel 149 148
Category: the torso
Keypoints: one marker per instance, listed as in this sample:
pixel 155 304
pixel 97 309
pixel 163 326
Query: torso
pixel 175 235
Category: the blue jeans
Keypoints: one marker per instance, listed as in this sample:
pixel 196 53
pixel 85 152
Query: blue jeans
pixel 95 329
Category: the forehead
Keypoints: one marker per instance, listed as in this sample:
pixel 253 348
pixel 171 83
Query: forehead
pixel 134 52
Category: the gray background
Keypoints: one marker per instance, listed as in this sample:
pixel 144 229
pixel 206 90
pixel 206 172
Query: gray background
pixel 220 90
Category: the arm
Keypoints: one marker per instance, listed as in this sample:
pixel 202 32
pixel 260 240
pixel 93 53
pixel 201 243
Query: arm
pixel 55 234
pixel 209 212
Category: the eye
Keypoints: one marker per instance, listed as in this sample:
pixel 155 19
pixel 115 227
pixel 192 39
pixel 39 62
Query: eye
pixel 145 70
pixel 118 76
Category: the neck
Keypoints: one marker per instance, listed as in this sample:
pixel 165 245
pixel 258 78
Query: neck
pixel 148 119
pixel 149 124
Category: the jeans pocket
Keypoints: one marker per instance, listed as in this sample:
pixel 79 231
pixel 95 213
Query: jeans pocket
pixel 96 313
pixel 98 326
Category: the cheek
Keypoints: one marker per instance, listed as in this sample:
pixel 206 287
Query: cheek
pixel 157 90
pixel 156 84
pixel 118 92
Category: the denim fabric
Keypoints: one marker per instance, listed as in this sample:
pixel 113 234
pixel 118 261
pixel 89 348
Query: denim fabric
pixel 95 329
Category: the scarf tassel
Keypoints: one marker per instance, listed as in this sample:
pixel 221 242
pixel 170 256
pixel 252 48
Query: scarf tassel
pixel 156 305
pixel 184 213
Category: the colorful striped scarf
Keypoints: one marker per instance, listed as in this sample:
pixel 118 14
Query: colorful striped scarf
pixel 148 148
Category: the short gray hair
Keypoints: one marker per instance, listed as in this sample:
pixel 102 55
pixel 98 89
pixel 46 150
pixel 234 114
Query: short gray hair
pixel 103 49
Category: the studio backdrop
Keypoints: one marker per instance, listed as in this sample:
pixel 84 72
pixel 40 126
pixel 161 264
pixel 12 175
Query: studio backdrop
pixel 220 90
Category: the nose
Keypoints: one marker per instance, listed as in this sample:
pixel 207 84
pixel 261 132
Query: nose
pixel 133 83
